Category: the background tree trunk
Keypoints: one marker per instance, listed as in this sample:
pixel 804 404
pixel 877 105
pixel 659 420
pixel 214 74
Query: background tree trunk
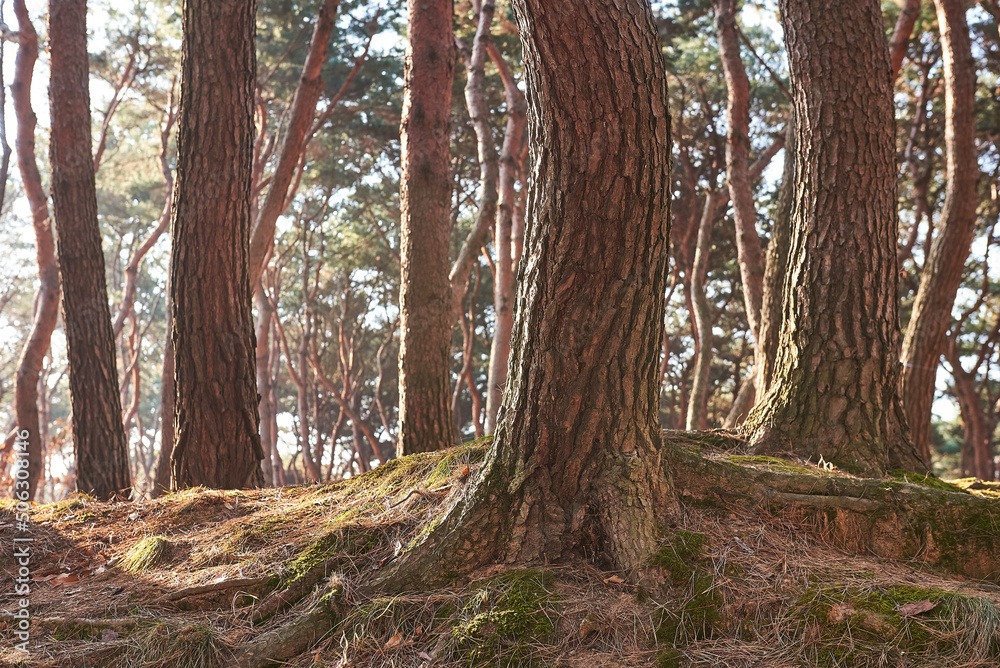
pixel 900 40
pixel 942 272
pixel 102 467
pixel 697 409
pixel 46 314
pixel 828 398
pixel 576 464
pixel 426 302
pixel 217 444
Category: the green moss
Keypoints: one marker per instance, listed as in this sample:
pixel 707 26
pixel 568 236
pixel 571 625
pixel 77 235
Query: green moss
pixel 681 554
pixel 503 617
pixel 779 465
pixel 698 617
pixel 253 535
pixel 148 553
pixel 669 658
pixel 343 541
pixel 926 481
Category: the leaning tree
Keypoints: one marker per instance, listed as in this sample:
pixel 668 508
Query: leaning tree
pixel 834 388
pixel 576 463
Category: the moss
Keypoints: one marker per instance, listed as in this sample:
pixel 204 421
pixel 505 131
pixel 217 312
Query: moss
pixel 253 535
pixel 778 465
pixel 681 554
pixel 669 658
pixel 926 481
pixel 981 488
pixel 698 617
pixel 503 617
pixel 148 553
pixel 343 541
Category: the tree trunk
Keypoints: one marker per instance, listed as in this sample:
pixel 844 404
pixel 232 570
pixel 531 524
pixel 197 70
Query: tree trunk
pixel 900 41
pixel 161 479
pixel 942 272
pixel 300 121
pixel 426 303
pixel 576 466
pixel 263 361
pixel 834 389
pixel 46 313
pixel 697 410
pixel 217 444
pixel 774 274
pixel 751 259
pixel 98 435
pixel 978 435
pixel 503 282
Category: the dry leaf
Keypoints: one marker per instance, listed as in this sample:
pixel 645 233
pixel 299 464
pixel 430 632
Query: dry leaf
pixel 395 641
pixel 65 579
pixel 109 635
pixel 614 579
pixel 911 609
pixel 425 656
pixel 134 515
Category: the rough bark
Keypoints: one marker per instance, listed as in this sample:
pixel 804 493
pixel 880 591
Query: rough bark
pixel 748 250
pixel 102 466
pixel 46 314
pixel 503 281
pixel 576 464
pixel 300 121
pixel 942 272
pixel 217 443
pixel 426 302
pixel 834 389
pixel 161 475
pixel 900 40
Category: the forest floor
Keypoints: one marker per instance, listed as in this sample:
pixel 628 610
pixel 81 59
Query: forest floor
pixel 207 578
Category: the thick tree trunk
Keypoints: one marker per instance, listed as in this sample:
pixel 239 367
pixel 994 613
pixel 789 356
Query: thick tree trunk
pixel 576 466
pixel 942 272
pixel 834 389
pixel 217 444
pixel 426 302
pixel 503 281
pixel 300 121
pixel 102 467
pixel 46 313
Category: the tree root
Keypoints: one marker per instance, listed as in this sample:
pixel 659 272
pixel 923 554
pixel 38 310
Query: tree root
pixel 295 637
pixel 280 600
pixel 213 596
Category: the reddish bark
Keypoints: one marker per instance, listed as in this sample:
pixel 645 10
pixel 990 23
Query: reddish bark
pixel 942 272
pixel 900 40
pixel 47 299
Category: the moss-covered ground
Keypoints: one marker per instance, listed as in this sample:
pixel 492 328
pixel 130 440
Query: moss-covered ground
pixel 741 581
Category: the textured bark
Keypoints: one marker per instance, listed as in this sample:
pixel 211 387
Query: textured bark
pixel 102 467
pixel 749 254
pixel 697 408
pixel 46 314
pixel 942 272
pixel 774 274
pixel 217 444
pixel 834 389
pixel 161 475
pixel 300 121
pixel 900 40
pixel 426 302
pixel 576 465
pixel 503 281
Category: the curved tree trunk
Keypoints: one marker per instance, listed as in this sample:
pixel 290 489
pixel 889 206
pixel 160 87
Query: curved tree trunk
pixel 425 299
pixel 900 41
pixel 161 475
pixel 576 466
pixel 300 121
pixel 503 282
pixel 263 361
pixel 217 444
pixel 834 389
pixel 102 466
pixel 942 272
pixel 46 315
pixel 978 434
